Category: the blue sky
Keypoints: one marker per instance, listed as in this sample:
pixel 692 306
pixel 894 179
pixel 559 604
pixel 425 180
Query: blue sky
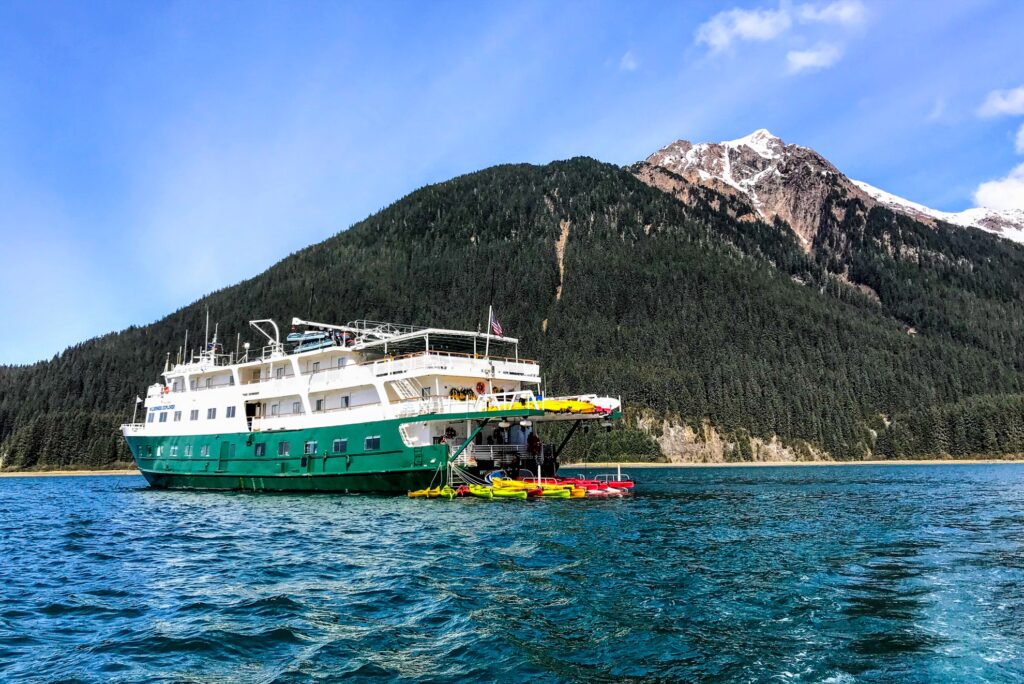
pixel 153 152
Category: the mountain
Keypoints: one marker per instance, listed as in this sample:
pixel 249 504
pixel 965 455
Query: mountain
pixel 791 182
pixel 1007 223
pixel 728 334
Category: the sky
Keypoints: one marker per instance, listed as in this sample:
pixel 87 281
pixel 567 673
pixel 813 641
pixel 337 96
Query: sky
pixel 151 153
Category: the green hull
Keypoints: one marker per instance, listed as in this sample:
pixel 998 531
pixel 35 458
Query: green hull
pixel 373 482
pixel 237 461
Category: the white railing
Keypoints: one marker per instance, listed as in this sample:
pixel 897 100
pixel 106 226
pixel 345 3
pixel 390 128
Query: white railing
pixel 508 401
pixel 452 361
pixel 213 385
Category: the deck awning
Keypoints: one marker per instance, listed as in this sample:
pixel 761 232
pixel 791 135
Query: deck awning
pixel 439 339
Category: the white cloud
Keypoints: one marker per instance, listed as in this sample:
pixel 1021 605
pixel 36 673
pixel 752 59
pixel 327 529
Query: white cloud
pixel 1019 143
pixel 724 28
pixel 820 57
pixel 1005 193
pixel 938 109
pixel 765 24
pixel 1001 102
pixel 845 12
pixel 628 62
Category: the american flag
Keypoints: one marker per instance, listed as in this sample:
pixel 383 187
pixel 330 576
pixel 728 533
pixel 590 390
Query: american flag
pixel 495 326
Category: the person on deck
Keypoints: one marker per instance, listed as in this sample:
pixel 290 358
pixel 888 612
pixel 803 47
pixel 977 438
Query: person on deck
pixel 533 444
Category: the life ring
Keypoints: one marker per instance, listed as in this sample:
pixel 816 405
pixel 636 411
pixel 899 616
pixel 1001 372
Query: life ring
pixel 480 387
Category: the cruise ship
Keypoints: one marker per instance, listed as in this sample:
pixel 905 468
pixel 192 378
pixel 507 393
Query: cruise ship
pixel 362 407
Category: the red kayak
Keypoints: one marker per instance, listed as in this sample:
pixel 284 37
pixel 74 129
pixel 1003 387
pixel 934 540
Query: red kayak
pixel 622 482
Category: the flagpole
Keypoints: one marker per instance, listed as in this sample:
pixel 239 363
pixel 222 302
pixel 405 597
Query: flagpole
pixel 487 343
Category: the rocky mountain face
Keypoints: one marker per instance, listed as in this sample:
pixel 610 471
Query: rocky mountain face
pixel 793 183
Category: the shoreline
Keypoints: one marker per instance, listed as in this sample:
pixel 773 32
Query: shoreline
pixel 69 473
pixel 615 464
pixel 775 464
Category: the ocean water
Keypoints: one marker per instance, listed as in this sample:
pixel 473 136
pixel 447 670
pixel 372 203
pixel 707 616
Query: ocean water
pixel 825 574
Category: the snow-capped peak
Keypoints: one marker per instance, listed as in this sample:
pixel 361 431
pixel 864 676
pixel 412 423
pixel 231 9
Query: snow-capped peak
pixel 1005 223
pixel 792 182
pixel 760 141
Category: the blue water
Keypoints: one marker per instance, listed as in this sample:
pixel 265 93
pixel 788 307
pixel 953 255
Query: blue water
pixel 899 573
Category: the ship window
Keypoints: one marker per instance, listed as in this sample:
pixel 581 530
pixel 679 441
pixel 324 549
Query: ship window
pixel 174 451
pixel 424 392
pixel 340 446
pixel 192 383
pixel 284 449
pixel 231 380
pixel 149 451
pixel 209 381
pixel 204 450
pixel 319 405
pixel 193 414
pixel 163 416
pixel 341 361
pixel 275 409
pixel 345 402
pixel 296 407
pixel 159 451
pixel 310 447
pixel 231 411
pixel 149 418
pixel 211 413
pixel 316 366
pixel 372 443
pixel 177 416
pixel 261 448
pixel 256 375
pixel 188 450
pixel 279 372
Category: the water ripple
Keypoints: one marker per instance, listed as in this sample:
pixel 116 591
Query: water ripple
pixel 755 574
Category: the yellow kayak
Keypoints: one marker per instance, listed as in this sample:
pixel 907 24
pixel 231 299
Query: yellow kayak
pixel 548 405
pixel 447 492
pixel 481 491
pixel 419 494
pixel 508 493
pixel 505 483
pixel 556 493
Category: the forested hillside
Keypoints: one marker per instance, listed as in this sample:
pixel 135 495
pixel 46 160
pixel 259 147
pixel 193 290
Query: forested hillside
pixel 691 310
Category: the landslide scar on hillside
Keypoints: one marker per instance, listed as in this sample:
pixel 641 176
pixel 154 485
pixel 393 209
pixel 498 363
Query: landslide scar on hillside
pixel 560 253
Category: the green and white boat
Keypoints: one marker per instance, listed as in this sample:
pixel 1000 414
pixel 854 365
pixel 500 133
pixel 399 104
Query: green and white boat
pixel 361 407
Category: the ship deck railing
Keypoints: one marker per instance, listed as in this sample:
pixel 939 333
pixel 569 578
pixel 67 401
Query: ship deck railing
pixel 501 455
pixel 451 361
pixel 510 401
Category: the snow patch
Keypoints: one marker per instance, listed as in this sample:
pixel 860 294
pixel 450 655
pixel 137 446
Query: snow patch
pixel 1007 223
pixel 760 141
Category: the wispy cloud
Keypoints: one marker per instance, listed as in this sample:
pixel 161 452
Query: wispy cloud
pixel 1019 143
pixel 736 25
pixel 628 62
pixel 937 110
pixel 727 27
pixel 845 12
pixel 1003 102
pixel 820 57
pixel 1004 193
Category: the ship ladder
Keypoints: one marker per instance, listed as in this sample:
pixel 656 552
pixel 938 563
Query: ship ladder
pixel 407 388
